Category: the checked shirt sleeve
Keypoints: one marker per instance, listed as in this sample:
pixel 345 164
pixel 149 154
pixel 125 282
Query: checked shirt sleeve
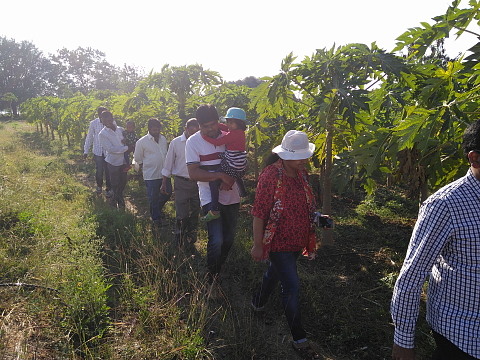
pixel 430 234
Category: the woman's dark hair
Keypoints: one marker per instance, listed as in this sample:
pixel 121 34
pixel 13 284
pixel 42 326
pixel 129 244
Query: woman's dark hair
pixel 154 122
pixel 206 113
pixel 271 159
pixel 471 138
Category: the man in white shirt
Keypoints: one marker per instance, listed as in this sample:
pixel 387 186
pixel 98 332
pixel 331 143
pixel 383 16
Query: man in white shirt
pixel 98 153
pixel 187 202
pixel 150 153
pixel 111 140
pixel 202 161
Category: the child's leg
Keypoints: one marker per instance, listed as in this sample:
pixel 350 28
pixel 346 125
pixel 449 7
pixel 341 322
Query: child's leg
pixel 127 162
pixel 215 191
pixel 214 212
pixel 241 187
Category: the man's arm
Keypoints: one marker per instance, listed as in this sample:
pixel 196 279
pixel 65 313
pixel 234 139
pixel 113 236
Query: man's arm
pixel 138 153
pixel 430 233
pixel 88 141
pixel 198 174
pixel 109 146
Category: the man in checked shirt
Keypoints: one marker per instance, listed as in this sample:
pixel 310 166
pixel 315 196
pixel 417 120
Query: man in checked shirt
pixel 445 244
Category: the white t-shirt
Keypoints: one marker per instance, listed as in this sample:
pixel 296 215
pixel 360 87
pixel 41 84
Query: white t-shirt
pixel 199 151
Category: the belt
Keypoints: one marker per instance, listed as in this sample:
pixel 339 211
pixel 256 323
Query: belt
pixel 183 178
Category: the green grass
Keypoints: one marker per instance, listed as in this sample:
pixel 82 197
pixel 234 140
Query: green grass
pixel 111 288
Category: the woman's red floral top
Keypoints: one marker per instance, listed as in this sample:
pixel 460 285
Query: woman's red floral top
pixel 293 228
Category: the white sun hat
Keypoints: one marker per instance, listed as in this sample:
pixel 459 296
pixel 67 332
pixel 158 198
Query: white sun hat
pixel 295 146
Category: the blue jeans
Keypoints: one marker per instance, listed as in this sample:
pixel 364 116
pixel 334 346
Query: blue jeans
pixel 221 233
pixel 283 268
pixel 155 199
pixel 100 167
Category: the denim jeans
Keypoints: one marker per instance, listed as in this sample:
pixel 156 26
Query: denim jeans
pixel 156 200
pixel 283 268
pixel 221 233
pixel 100 168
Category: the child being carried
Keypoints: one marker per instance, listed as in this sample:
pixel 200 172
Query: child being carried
pixel 130 138
pixel 234 159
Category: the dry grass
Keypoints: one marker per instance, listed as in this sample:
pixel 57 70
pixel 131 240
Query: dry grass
pixel 159 308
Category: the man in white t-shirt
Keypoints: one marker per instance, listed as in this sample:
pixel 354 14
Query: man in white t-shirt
pixel 202 161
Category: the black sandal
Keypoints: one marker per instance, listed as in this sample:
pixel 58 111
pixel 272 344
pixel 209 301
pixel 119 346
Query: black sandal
pixel 306 352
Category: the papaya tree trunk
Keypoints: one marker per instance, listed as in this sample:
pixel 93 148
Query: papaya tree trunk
pixel 327 237
pixel 255 160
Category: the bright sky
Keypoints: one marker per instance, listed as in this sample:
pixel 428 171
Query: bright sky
pixel 236 38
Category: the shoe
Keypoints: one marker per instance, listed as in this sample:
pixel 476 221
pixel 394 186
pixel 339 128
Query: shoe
pixel 210 216
pixel 305 351
pixel 257 308
pixel 99 190
pixel 109 193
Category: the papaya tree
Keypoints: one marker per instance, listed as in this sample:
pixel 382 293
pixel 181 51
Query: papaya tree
pixel 427 117
pixel 323 95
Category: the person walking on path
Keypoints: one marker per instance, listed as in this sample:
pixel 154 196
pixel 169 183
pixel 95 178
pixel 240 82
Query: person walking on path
pixel 202 161
pixel 150 152
pixel 111 138
pixel 284 227
pixel 187 202
pixel 98 153
pixel 445 245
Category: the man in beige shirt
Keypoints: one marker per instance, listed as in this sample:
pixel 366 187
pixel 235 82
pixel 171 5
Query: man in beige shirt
pixel 187 202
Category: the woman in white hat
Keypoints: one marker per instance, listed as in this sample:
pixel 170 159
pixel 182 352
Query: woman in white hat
pixel 283 228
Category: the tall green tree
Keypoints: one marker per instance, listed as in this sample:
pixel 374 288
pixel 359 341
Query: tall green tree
pixel 82 70
pixel 23 71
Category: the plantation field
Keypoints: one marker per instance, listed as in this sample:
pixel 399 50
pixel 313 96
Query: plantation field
pixel 80 280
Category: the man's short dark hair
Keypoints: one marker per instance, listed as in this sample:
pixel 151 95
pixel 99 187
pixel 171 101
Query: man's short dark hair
pixel 106 114
pixel 101 109
pixel 471 138
pixel 154 122
pixel 192 122
pixel 206 113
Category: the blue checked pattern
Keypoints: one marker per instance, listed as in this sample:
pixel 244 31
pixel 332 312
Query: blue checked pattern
pixel 445 244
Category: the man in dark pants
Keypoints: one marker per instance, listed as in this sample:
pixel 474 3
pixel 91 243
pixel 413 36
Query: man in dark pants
pixel 98 153
pixel 150 153
pixel 202 160
pixel 187 202
pixel 445 245
pixel 111 139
